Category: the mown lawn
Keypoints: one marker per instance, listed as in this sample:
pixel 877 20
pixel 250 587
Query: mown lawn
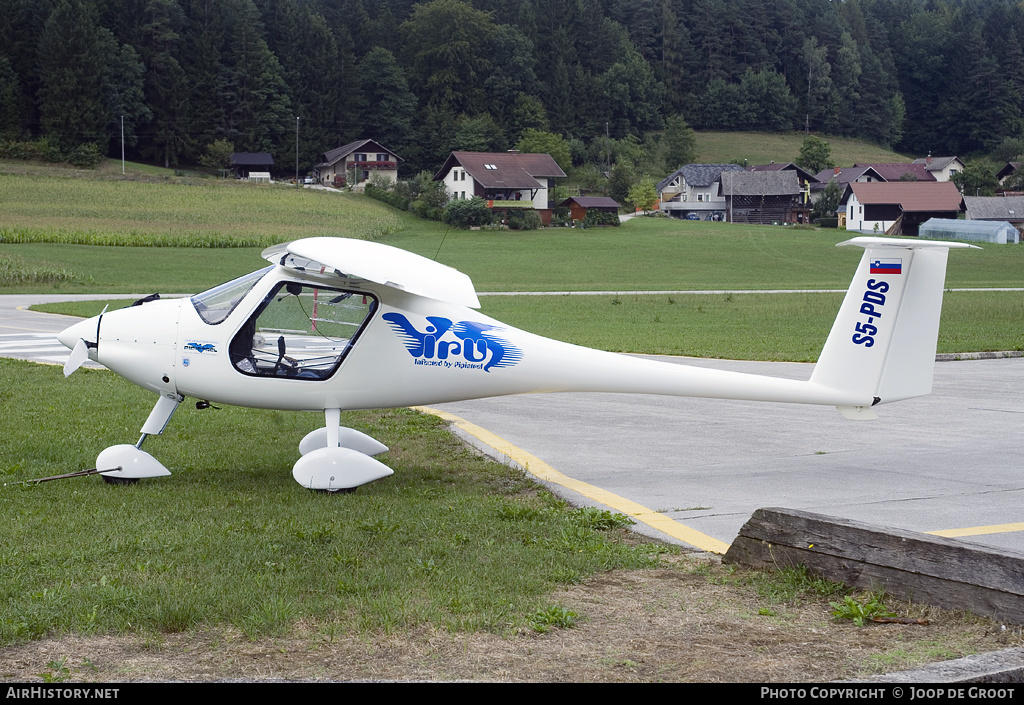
pixel 767 147
pixel 451 539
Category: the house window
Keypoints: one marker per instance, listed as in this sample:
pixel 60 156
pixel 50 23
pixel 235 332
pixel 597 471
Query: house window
pixel 360 157
pixel 382 158
pixel 463 194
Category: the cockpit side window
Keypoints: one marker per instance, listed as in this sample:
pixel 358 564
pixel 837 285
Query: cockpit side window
pixel 215 305
pixel 301 331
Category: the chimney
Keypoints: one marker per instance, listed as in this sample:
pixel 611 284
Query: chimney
pixel 835 171
pixel 928 161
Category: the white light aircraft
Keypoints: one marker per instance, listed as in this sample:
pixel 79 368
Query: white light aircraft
pixel 337 324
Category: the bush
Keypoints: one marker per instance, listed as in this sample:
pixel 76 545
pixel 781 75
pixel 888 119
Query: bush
pixel 84 155
pixel 827 222
pixel 425 210
pixel 519 219
pixel 560 217
pixel 392 199
pixel 466 213
pixel 596 217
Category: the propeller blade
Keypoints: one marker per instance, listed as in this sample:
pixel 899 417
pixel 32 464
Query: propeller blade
pixel 78 355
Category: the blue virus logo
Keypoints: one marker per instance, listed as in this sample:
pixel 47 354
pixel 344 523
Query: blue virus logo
pixel 201 347
pixel 470 344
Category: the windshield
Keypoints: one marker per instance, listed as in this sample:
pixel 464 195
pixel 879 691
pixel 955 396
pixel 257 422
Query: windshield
pixel 215 305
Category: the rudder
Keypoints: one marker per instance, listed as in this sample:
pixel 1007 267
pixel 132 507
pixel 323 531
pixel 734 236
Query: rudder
pixel 883 341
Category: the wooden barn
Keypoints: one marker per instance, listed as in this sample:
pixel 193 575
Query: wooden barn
pixel 764 197
pixel 579 205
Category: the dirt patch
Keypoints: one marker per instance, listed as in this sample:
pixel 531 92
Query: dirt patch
pixel 689 621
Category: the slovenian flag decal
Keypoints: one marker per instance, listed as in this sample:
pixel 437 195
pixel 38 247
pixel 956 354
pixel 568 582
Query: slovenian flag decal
pixel 887 266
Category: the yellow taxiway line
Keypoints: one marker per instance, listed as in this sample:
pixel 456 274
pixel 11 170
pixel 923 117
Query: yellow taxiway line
pixel 978 530
pixel 541 470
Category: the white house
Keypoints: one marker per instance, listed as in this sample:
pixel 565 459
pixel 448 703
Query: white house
pixel 899 207
pixel 942 168
pixel 500 176
pixel 353 163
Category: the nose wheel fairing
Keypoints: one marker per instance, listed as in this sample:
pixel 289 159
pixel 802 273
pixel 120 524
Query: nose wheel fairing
pixel 130 462
pixel 133 463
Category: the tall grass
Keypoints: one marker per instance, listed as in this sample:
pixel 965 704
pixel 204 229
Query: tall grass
pixel 15 271
pixel 211 214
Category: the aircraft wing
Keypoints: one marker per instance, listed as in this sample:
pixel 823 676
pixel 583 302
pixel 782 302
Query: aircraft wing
pixel 381 264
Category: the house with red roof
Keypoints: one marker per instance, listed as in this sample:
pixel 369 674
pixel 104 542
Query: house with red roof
pixel 843 176
pixel 900 172
pixel 899 207
pixel 501 177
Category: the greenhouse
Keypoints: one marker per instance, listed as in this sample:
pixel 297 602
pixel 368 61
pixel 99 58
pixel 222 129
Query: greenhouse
pixel 1000 232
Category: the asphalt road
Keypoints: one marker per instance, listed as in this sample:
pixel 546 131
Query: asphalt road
pixel 951 461
pixel 948 461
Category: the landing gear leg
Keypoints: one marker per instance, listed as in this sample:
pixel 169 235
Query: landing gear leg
pixel 134 462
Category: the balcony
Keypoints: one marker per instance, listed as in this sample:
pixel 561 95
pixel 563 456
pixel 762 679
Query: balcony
pixel 373 165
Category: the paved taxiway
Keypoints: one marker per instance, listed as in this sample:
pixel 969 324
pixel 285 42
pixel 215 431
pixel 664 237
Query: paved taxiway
pixel 949 461
pixel 953 460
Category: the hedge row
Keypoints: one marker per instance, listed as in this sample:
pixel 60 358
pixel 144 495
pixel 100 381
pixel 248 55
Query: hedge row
pixel 43 150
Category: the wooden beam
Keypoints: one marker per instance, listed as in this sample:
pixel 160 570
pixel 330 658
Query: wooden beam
pixel 933 570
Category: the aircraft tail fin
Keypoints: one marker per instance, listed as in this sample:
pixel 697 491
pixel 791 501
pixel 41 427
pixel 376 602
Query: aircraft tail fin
pixel 884 339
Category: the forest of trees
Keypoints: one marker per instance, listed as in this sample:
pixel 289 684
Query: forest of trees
pixel 920 76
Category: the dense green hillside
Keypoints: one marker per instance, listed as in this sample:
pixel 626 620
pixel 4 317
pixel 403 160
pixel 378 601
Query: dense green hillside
pixel 296 79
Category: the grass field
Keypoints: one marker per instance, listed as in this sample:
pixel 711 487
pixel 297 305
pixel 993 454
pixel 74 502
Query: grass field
pixel 767 147
pixel 452 541
pixel 203 213
pixel 643 254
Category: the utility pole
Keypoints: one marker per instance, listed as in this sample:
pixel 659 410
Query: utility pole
pixel 297 152
pixel 607 147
